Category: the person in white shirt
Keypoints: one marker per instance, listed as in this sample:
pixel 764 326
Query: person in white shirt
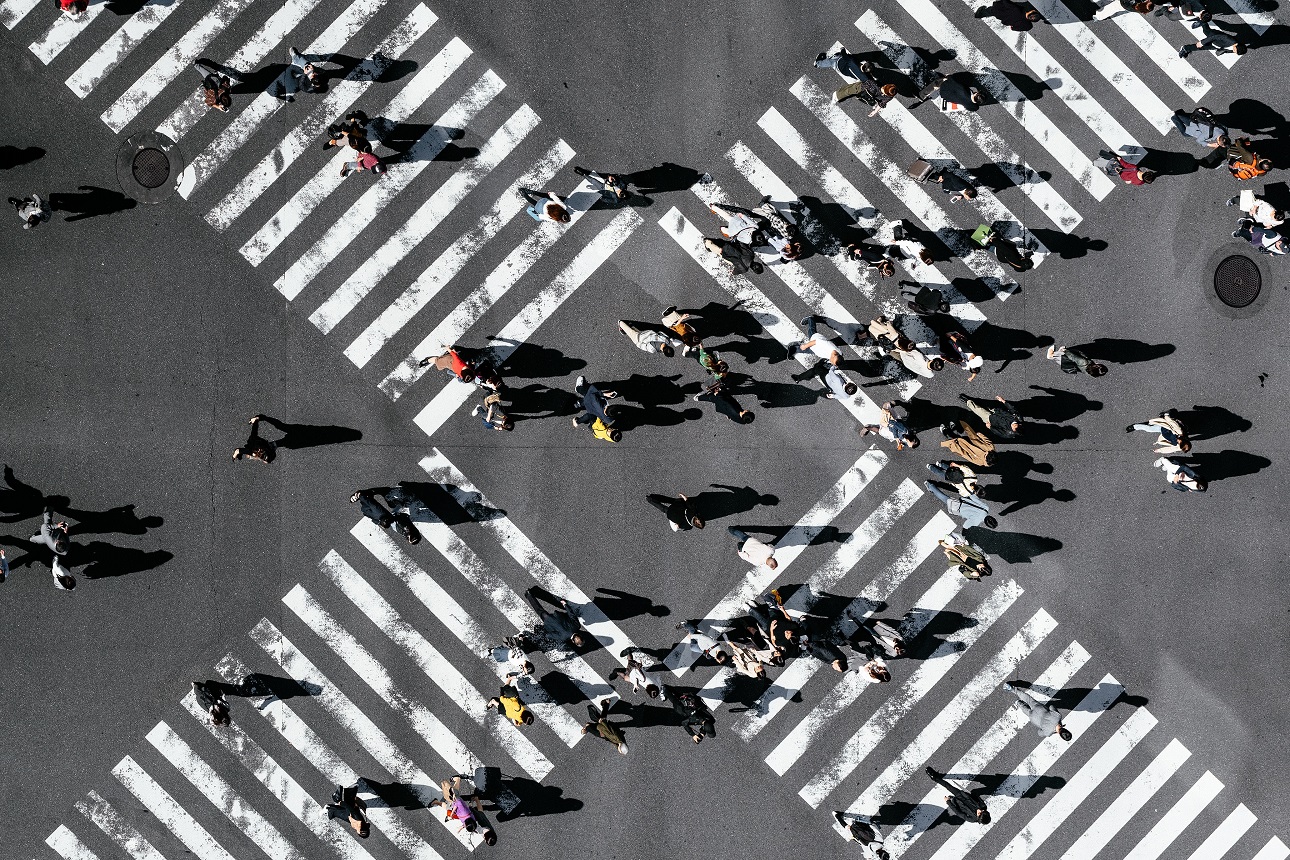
pixel 1263 212
pixel 861 829
pixel 752 550
pixel 648 338
pixel 1181 476
pixel 545 206
pixel 32 210
pixel 634 672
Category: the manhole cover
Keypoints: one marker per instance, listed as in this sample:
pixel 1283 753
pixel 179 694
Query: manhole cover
pixel 151 168
pixel 1237 281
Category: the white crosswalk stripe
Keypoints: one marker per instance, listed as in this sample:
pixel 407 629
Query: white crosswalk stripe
pixel 13 11
pixel 1183 813
pixel 110 54
pixel 165 809
pixel 1164 54
pixel 69 846
pixel 1218 843
pixel 63 32
pixel 118 829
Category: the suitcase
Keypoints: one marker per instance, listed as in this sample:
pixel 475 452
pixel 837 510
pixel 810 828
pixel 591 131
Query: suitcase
pixel 920 170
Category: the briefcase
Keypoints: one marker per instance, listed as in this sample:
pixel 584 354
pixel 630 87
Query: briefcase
pixel 920 170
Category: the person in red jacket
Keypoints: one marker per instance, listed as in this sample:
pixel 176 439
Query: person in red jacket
pixel 451 360
pixel 1117 165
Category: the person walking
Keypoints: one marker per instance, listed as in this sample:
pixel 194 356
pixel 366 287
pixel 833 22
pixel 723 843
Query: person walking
pixel 614 187
pixel 346 804
pixel 874 257
pixel 680 511
pixel 696 719
pixel 737 255
pixel 1181 476
pixel 595 403
pixel 1071 360
pixel 599 725
pixel 1265 241
pixel 1243 162
pixel 969 443
pixel 364 160
pixel 545 206
pixel 401 502
pixel 752 550
pixel 211 700
pixel 74 9
pixel 353 131
pixel 870 637
pixel 782 632
pixel 508 703
pixel 1187 9
pixel 885 333
pixel 634 672
pixel 970 559
pixel 915 360
pixel 679 324
pixel 54 536
pixel 1044 718
pixel 954 185
pixel 372 509
pixel 463 800
pixel 863 831
pixel 853 334
pixel 951 91
pixel 719 396
pixel 303 76
pixel 973 509
pixel 561 625
pixel 1113 164
pixel 492 415
pixel 650 338
pixel 1009 252
pixel 4 566
pixel 700 644
pixel 1015 16
pixel 1201 127
pixel 1171 437
pixel 1001 420
pixel 1117 7
pixel 452 361
pixel 962 804
pixel 33 211
pixel 893 425
pixel 960 476
pixel 922 299
pixel 1259 210
pixel 1215 38
pixel 256 447
pixel 217 85
pixel 958 351
pixel 862 84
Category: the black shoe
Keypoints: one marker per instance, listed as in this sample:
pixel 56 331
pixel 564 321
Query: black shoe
pixel 964 398
pixel 837 816
pixel 581 171
pixel 821 57
pixel 1232 201
pixel 1236 234
pixel 947 431
pixel 1128 429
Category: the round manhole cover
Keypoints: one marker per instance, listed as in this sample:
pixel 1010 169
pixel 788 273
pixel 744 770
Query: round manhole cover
pixel 151 168
pixel 1237 281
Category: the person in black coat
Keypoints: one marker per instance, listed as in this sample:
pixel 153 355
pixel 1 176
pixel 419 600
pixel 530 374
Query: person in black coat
pixel 960 803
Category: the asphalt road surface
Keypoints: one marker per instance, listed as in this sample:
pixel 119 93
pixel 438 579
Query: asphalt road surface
pixel 141 338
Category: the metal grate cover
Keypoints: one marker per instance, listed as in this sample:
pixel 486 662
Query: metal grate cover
pixel 1237 281
pixel 151 167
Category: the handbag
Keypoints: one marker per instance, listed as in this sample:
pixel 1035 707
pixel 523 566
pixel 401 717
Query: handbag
pixel 920 170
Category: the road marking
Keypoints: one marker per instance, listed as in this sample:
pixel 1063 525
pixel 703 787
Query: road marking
pixel 120 831
pixel 1274 850
pixel 13 11
pixel 1163 54
pixel 62 32
pixel 69 845
pixel 119 45
pixel 168 811
pixel 1218 843
pixel 1175 821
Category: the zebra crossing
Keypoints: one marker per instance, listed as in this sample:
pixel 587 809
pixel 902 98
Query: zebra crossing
pixel 348 253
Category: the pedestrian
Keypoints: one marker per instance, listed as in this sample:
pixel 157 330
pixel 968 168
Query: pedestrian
pixel 696 719
pixel 973 509
pixel 719 396
pixel 462 799
pixel 303 76
pixel 508 703
pixel 893 425
pixel 1009 252
pixel 353 131
pixel 710 361
pixel 874 257
pixel 827 366
pixel 1201 126
pixel 1212 36
pixel 1171 438
pixel 452 361
pixel 744 659
pixel 738 256
pixel 545 206
pixel 862 84
pixel 635 673
pixel 752 550
pixel 1265 241
pixel 1116 7
pixel 699 644
pixel 922 299
pixel 741 224
pixel 820 642
pixel 967 806
pixel 1243 163
pixel 32 211
pixel 957 350
pixel 1013 15
pixel 885 333
pixel 1071 360
pixel 650 338
pixel 915 360
pixel 1044 718
pixel 1113 164
pixel 365 160
pixel 217 85
pixel 951 91
pixel 372 509
pixel 401 501
pixel 456 809
pixel 852 334
pixel 870 637
pixel 614 187
pixel 681 515
pixel 865 832
pixel 1002 420
pixel 595 403
pixel 345 803
pixel 212 701
pixel 970 559
pixel 73 9
pixel 255 447
pixel 969 443
pixel 561 625
pixel 781 233
pixel 1181 476
pixel 513 655
pixel 1194 9
pixel 492 415
pixel 954 185
pixel 782 631
pixel 54 536
pixel 679 324
pixel 1260 211
pixel 600 725
pixel 960 476
pixel 4 566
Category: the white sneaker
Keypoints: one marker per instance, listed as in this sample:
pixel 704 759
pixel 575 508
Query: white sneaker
pixel 478 410
pixel 674 526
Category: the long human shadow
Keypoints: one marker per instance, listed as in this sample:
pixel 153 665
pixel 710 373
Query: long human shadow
pixel 994 176
pixel 1221 465
pixel 13 156
pixel 621 605
pixel 777 395
pixel 438 500
pixel 643 716
pixel 991 782
pixel 998 343
pixel 22 501
pixel 838 222
pixel 1012 547
pixel 727 500
pixel 536 799
pixel 538 401
pixel 1068 698
pixel 255 684
pixel 401 795
pixel 1033 433
pixel 1024 492
pixel 1123 350
pixel 104 560
pixel 628 417
pixel 295 436
pixel 1055 405
pixel 533 361
pixel 118 520
pixel 649 389
pixel 1254 117
pixel 663 178
pixel 1210 422
pixel 1169 163
pixel 1068 246
pixel 403 139
pixel 91 202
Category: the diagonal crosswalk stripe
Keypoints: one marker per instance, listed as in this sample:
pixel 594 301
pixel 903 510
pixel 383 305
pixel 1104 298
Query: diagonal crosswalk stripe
pixel 236 134
pixel 1132 799
pixel 315 751
pixel 69 845
pixel 13 11
pixel 1274 850
pixel 1163 54
pixel 221 794
pixel 540 309
pixel 339 97
pixel 398 176
pixel 63 32
pixel 1079 721
pixel 454 617
pixel 111 53
pixel 278 782
pixel 279 27
pixel 803 735
pixel 167 810
pixel 120 831
pixel 1218 843
pixel 1181 814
